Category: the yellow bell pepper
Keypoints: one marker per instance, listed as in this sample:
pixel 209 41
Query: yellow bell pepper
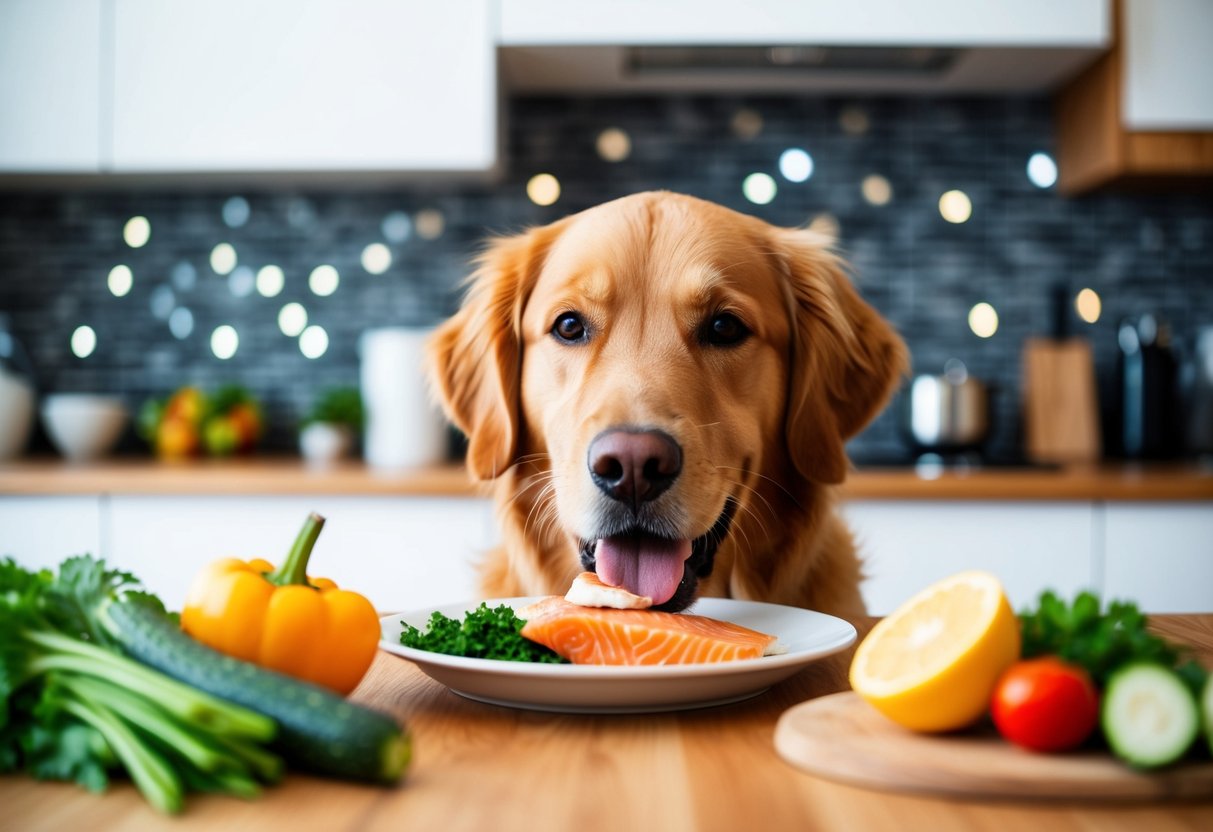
pixel 283 620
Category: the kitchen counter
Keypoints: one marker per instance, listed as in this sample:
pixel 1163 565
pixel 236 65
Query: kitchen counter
pixel 285 475
pixel 482 767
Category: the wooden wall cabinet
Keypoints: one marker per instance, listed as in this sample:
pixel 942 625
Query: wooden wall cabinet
pixel 1143 113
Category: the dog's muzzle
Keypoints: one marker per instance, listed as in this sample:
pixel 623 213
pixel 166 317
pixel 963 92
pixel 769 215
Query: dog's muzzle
pixel 697 565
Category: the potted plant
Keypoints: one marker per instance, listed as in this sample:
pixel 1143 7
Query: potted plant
pixel 331 426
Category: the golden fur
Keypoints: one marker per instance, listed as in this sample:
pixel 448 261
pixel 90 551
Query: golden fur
pixel 762 422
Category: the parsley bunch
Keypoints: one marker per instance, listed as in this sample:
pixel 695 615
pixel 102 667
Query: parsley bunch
pixel 74 707
pixel 483 634
pixel 1100 640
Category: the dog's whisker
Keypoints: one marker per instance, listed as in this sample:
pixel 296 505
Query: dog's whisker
pixel 774 482
pixel 530 484
pixel 749 510
pixel 545 506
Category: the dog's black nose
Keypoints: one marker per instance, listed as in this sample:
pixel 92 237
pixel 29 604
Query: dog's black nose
pixel 632 465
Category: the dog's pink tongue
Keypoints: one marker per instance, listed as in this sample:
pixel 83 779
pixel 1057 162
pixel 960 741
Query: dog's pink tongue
pixel 643 566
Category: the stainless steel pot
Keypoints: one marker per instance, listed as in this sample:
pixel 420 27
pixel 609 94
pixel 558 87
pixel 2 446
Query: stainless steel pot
pixel 949 412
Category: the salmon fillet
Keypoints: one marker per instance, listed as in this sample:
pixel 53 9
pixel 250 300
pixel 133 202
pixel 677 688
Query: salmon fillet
pixel 589 635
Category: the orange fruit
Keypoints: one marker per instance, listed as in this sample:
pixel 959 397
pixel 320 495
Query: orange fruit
pixel 932 664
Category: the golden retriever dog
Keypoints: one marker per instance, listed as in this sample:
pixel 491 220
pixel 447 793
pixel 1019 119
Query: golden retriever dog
pixel 661 389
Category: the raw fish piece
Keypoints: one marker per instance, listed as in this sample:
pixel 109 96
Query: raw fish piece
pixel 588 590
pixel 590 635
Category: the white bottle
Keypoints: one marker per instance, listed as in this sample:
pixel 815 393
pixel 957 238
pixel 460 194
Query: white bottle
pixel 404 427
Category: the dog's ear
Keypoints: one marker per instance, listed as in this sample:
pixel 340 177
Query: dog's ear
pixel 475 358
pixel 845 359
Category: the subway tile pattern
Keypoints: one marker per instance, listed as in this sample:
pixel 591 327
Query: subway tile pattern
pixel 1140 251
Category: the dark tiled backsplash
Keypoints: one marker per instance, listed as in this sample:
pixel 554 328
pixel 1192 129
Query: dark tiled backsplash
pixel 1141 253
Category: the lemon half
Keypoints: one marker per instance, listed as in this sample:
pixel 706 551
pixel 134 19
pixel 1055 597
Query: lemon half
pixel 932 664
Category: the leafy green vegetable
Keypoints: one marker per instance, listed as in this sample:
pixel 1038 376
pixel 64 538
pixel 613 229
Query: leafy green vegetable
pixel 483 634
pixel 1101 641
pixel 338 405
pixel 73 707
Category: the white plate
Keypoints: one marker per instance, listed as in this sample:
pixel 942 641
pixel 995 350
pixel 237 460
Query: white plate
pixel 593 689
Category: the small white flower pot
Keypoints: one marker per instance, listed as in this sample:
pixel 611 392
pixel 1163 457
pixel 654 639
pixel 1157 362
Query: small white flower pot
pixel 323 443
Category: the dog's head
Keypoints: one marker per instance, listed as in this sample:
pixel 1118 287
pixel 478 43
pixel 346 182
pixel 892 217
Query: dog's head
pixel 661 356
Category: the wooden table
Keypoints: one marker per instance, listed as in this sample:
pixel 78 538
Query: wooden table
pixel 480 767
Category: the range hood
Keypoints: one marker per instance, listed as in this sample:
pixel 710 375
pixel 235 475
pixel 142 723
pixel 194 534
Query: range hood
pixel 925 46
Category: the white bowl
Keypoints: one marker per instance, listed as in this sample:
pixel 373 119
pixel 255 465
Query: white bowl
pixel 83 426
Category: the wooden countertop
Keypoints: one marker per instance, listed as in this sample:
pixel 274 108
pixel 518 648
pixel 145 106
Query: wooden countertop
pixel 479 767
pixel 272 475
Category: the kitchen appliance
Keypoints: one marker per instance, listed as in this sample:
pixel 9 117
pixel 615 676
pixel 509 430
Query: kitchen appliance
pixel 1060 410
pixel 83 426
pixel 948 413
pixel 404 428
pixel 1147 376
pixel 1200 392
pixel 16 393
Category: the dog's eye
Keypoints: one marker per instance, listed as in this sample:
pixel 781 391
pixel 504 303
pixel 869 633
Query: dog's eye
pixel 569 328
pixel 724 330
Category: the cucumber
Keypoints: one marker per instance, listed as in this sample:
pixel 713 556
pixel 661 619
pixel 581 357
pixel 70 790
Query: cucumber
pixel 318 730
pixel 1149 715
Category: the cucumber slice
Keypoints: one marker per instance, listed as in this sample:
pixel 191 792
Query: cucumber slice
pixel 1149 715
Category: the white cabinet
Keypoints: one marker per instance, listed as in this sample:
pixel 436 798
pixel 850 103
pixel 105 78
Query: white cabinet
pixel 1168 65
pixel 303 85
pixel 50 85
pixel 41 531
pixel 401 552
pixel 1160 555
pixel 907 545
pixel 766 22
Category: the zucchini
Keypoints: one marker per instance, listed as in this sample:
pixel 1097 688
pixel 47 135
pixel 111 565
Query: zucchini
pixel 318 730
pixel 1150 716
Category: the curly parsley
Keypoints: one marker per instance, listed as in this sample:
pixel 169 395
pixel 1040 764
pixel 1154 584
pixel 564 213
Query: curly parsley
pixel 483 634
pixel 1101 640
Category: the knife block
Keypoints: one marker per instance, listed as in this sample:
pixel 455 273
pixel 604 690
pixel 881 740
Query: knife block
pixel 1061 412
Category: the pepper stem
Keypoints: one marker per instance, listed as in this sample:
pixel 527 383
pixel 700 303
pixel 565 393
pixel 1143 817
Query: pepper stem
pixel 294 569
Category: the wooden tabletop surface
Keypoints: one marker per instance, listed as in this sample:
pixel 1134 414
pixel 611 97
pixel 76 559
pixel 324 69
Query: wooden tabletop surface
pixel 289 475
pixel 481 767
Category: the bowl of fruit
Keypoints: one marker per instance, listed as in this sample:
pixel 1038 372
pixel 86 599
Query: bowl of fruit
pixel 191 423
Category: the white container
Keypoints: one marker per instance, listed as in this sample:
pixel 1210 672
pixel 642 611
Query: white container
pixel 16 413
pixel 324 443
pixel 404 428
pixel 83 426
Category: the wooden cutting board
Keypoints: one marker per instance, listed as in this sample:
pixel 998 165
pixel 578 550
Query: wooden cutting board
pixel 1060 403
pixel 841 737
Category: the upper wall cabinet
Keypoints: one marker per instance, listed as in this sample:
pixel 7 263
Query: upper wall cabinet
pixel 303 85
pixel 50 85
pixel 798 46
pixel 371 87
pixel 1144 111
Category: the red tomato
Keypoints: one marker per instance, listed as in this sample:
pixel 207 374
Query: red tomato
pixel 1045 704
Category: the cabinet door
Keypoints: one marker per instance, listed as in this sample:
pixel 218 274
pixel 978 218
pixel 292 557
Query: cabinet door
pixel 41 531
pixel 1168 82
pixel 1029 546
pixel 1160 555
pixel 402 553
pixel 868 23
pixel 50 86
pixel 303 85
